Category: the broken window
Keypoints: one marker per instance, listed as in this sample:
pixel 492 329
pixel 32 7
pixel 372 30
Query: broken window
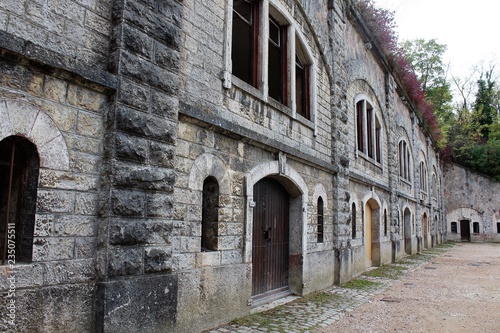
pixel 19 169
pixel 320 226
pixel 210 215
pixel 454 229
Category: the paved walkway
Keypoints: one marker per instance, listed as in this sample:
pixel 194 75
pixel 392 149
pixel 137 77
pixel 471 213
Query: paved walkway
pixel 321 309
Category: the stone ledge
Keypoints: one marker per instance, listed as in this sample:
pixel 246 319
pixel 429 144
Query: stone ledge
pixel 15 48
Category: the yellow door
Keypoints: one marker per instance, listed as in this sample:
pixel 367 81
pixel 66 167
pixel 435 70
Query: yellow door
pixel 368 235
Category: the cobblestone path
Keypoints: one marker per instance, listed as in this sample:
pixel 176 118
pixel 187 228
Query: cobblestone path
pixel 321 309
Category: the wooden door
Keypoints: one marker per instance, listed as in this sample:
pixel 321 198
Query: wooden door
pixel 270 243
pixel 368 234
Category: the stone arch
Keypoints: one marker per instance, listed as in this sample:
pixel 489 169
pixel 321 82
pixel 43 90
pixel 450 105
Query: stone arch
pixel 320 191
pixel 296 187
pixel 24 119
pixel 207 165
pixel 464 213
pixel 407 216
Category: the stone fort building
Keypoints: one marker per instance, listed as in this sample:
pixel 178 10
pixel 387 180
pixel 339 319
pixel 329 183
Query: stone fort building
pixel 168 165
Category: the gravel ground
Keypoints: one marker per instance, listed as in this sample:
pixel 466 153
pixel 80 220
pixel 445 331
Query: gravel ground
pixel 458 291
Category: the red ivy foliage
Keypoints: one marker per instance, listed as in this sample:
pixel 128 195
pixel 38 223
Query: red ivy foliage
pixel 381 24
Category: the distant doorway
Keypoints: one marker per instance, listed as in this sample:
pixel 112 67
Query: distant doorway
pixel 465 230
pixel 368 235
pixel 407 230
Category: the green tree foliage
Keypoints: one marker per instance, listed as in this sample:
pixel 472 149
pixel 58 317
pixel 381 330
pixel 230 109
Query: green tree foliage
pixel 474 135
pixel 426 59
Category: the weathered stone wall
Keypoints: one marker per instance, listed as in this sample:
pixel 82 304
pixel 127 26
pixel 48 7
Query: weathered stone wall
pixel 135 106
pixel 64 117
pixel 77 29
pixel 471 197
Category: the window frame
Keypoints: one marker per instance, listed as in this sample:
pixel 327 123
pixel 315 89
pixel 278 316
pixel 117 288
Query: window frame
pixel 404 161
pixel 368 129
pixel 295 43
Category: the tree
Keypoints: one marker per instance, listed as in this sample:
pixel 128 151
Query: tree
pixel 426 60
pixel 484 106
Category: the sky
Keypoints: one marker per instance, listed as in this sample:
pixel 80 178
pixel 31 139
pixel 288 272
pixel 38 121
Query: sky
pixel 470 29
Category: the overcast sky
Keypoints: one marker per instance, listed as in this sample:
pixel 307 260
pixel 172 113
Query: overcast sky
pixel 470 29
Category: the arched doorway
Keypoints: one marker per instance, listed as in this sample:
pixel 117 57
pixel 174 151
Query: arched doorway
pixel 368 235
pixel 425 230
pixel 372 233
pixel 407 230
pixel 270 239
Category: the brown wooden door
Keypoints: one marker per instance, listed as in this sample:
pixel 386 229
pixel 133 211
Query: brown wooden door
pixel 270 237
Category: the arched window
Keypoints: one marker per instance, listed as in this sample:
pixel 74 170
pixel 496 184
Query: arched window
pixel 423 177
pixel 368 131
pixel 19 170
pixel 404 160
pixel 320 221
pixel 353 220
pixel 210 215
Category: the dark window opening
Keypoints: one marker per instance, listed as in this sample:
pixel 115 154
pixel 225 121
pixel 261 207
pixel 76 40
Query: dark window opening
pixel 475 227
pixel 353 221
pixel 320 233
pixel 385 222
pixel 404 161
pixel 378 138
pixel 359 125
pixel 210 215
pixel 245 36
pixel 369 129
pixel 19 170
pixel 498 228
pixel 302 89
pixel 454 228
pixel 277 69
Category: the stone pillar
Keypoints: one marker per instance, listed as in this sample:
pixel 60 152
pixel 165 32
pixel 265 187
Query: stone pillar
pixel 137 292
